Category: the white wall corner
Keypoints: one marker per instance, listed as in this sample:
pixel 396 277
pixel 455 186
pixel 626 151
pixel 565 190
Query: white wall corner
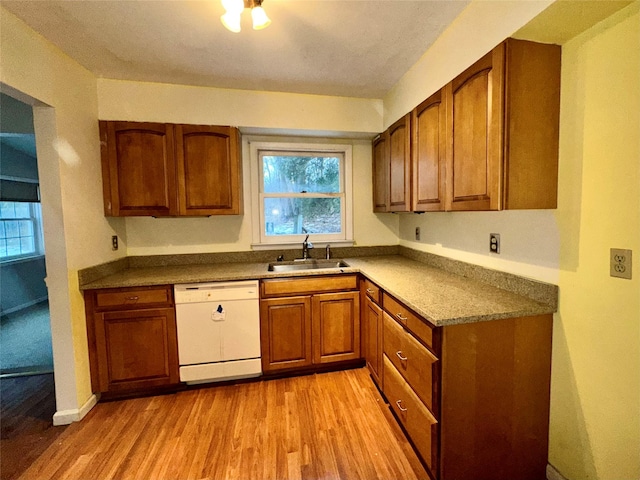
pixel 553 474
pixel 66 417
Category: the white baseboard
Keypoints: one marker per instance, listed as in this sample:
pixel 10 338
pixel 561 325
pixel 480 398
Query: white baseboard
pixel 553 474
pixel 66 417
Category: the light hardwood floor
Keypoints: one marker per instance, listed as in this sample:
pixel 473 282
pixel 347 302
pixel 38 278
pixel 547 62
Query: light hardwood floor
pixel 323 426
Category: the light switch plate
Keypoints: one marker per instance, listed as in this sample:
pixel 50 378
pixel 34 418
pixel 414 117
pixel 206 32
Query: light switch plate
pixel 620 263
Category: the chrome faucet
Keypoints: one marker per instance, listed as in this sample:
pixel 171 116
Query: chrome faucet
pixel 327 252
pixel 306 246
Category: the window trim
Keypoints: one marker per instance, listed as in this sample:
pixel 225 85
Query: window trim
pixel 260 240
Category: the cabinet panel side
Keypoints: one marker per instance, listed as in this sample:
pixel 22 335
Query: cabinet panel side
pixel 495 399
pixel 533 121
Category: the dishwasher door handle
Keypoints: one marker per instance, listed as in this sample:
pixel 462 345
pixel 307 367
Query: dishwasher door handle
pixel 219 314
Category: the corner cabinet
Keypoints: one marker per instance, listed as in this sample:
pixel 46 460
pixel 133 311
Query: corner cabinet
pixel 309 321
pixel 488 140
pixel 133 345
pixel 392 168
pixel 381 172
pixel 157 169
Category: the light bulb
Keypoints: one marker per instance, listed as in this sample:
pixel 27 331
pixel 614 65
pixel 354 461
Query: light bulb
pixel 231 21
pixel 233 6
pixel 260 19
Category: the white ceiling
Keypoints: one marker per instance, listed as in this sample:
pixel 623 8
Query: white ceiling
pixel 352 48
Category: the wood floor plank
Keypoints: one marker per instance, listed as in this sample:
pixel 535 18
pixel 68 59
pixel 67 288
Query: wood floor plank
pixel 322 426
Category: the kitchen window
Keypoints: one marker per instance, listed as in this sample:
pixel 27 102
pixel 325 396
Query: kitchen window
pixel 20 230
pixel 302 189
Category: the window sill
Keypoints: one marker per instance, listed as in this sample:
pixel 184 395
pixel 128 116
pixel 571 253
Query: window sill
pixel 16 260
pixel 298 245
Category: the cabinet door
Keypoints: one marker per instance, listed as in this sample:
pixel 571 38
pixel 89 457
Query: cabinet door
pixel 209 170
pixel 136 349
pixel 372 318
pixel 138 169
pixel 400 165
pixel 285 333
pixel 475 102
pixel 336 327
pixel 381 173
pixel 428 155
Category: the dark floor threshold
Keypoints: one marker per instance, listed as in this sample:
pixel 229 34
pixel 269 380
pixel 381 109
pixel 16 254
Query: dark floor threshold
pixel 26 371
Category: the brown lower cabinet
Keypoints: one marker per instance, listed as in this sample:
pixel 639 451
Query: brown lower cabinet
pixel 472 398
pixel 309 321
pixel 132 339
pixel 371 322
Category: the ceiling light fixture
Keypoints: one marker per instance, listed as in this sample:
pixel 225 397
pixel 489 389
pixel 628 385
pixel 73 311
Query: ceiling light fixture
pixel 234 9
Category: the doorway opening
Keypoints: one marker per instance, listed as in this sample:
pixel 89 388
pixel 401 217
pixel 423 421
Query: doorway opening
pixel 25 326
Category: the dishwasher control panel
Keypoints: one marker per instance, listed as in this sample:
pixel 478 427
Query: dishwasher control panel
pixel 215 292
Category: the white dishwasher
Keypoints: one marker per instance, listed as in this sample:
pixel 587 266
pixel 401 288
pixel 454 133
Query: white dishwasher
pixel 218 331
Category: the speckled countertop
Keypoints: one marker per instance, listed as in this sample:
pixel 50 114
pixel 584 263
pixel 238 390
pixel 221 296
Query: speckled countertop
pixel 440 296
pixel 444 298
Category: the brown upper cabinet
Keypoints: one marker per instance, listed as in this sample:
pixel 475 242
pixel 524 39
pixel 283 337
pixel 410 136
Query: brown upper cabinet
pixel 488 140
pixel 381 172
pixel 428 155
pixel 156 169
pixel 400 165
pixel 392 168
pixel 503 120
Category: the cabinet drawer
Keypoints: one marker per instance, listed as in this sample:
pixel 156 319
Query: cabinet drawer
pixel 372 291
pixel 419 327
pixel 420 425
pixel 308 285
pixel 415 362
pixel 129 298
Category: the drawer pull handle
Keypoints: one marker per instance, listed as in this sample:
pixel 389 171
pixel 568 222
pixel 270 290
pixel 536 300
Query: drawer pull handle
pixel 370 291
pixel 133 298
pixel 399 404
pixel 399 355
pixel 401 317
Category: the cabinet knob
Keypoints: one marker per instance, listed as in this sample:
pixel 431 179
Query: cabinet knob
pixel 399 404
pixel 132 299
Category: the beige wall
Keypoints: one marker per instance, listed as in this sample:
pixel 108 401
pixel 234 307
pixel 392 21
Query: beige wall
pixel 157 102
pixel 595 401
pixel 76 233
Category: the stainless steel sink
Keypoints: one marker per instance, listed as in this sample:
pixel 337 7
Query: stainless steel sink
pixel 297 265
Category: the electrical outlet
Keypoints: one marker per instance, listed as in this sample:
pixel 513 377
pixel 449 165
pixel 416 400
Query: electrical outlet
pixel 620 263
pixel 114 242
pixel 494 242
pixel 417 233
